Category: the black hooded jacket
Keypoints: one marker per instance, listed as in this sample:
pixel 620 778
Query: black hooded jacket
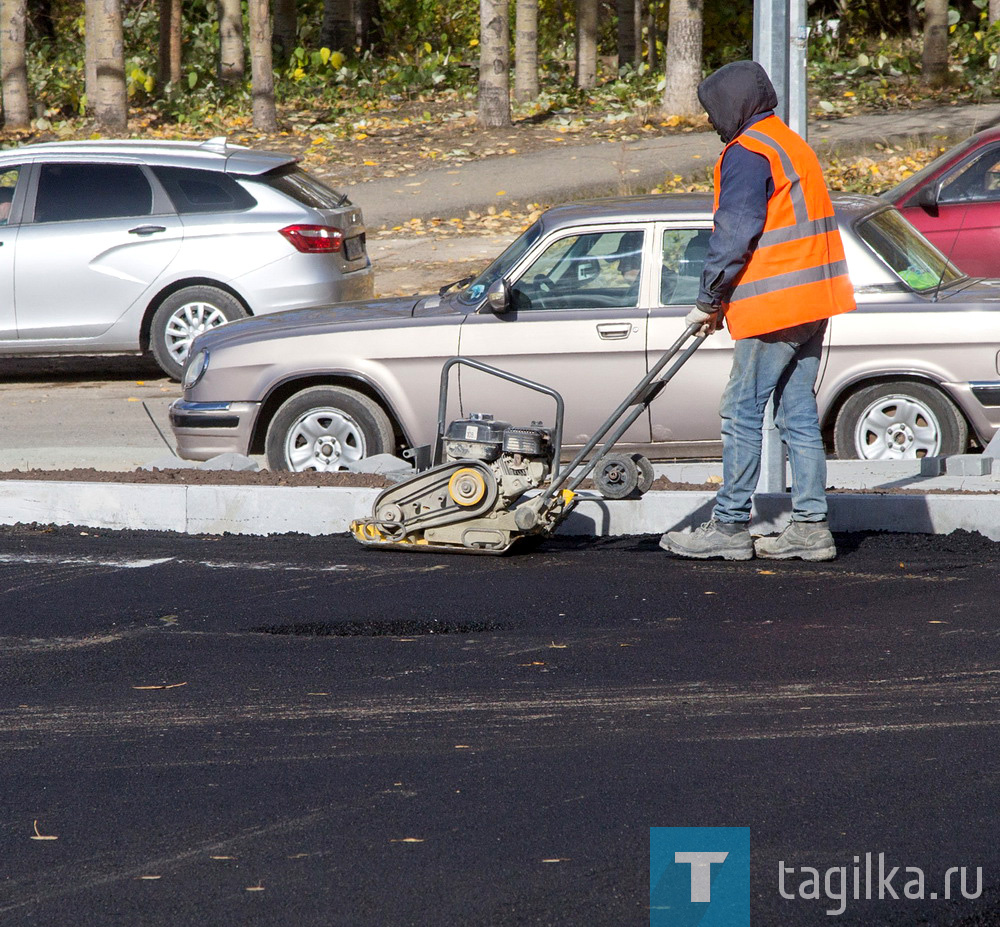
pixel 735 97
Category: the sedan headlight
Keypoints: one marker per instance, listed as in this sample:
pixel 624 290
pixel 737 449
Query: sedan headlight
pixel 195 369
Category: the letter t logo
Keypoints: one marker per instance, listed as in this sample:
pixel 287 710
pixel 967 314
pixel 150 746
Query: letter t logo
pixel 701 872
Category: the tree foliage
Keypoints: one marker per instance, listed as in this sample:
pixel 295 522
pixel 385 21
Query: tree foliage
pixel 860 53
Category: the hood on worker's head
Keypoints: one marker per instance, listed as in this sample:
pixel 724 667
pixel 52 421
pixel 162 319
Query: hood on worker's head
pixel 734 94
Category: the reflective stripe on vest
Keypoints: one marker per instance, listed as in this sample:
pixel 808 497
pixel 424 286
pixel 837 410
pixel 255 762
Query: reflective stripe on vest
pixel 798 263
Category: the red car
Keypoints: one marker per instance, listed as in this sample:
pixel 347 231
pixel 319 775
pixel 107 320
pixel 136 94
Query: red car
pixel 955 202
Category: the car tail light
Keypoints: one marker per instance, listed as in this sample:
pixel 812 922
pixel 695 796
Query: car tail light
pixel 314 238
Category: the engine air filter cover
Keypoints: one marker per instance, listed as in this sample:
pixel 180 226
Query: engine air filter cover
pixel 525 440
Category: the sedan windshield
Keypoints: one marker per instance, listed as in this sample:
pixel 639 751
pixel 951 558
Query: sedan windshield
pixel 476 290
pixel 911 256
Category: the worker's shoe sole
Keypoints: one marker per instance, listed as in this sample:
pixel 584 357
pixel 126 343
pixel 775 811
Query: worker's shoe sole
pixel 713 539
pixel 801 540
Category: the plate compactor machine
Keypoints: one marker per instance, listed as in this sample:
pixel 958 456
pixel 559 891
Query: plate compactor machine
pixel 485 485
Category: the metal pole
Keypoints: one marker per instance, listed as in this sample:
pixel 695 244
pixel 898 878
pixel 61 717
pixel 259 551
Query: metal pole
pixel 770 46
pixel 798 102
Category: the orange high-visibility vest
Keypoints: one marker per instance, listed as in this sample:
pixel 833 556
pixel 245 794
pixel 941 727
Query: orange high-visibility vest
pixel 798 272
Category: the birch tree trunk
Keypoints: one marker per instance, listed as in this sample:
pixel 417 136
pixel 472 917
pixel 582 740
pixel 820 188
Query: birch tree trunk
pixel 337 31
pixel 494 64
pixel 169 64
pixel 13 65
pixel 526 51
pixel 231 66
pixel 107 46
pixel 286 29
pixel 586 43
pixel 935 58
pixel 684 34
pixel 265 114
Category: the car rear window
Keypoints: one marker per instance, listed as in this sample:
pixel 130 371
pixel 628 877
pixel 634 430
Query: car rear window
pixel 303 188
pixel 193 191
pixel 68 192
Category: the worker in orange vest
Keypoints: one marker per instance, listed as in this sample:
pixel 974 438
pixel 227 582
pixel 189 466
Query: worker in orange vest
pixel 775 272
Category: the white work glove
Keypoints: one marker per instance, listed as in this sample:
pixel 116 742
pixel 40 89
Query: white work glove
pixel 705 317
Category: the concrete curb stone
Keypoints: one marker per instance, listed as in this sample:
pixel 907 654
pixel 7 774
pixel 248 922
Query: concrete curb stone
pixel 214 510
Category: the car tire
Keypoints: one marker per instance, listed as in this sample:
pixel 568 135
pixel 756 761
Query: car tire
pixel 899 419
pixel 326 428
pixel 184 314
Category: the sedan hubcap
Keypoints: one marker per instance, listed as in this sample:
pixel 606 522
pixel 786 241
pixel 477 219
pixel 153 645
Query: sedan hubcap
pixel 189 321
pixel 896 427
pixel 324 439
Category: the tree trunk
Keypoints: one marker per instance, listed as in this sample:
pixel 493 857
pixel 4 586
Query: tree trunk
pixel 494 64
pixel 231 68
pixel 89 62
pixel 265 115
pixel 16 112
pixel 629 27
pixel 526 51
pixel 367 17
pixel 110 100
pixel 169 65
pixel 286 29
pixel 651 55
pixel 337 31
pixel 935 58
pixel 586 44
pixel 994 13
pixel 684 33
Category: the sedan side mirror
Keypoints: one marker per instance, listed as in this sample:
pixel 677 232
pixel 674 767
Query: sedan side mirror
pixel 498 296
pixel 929 195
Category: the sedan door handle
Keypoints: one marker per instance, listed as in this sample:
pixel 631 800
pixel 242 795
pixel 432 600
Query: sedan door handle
pixel 614 331
pixel 147 229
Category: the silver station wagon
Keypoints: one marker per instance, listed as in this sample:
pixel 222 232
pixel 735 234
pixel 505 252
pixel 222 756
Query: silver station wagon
pixel 122 246
pixel 590 295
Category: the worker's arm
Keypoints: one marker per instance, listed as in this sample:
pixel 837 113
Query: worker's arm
pixel 745 186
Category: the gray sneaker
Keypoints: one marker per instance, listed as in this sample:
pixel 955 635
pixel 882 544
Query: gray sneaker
pixel 806 540
pixel 712 539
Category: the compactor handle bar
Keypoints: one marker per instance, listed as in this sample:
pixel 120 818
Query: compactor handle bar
pixel 503 375
pixel 645 391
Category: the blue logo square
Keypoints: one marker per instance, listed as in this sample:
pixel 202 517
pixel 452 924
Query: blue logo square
pixel 699 876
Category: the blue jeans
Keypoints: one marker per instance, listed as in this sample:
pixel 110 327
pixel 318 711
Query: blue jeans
pixel 783 363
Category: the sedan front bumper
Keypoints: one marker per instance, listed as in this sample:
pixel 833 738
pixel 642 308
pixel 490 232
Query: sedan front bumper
pixel 204 429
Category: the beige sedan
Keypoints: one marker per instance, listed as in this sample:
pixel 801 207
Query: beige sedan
pixel 597 291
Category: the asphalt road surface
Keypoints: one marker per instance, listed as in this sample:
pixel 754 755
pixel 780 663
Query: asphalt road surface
pixel 297 731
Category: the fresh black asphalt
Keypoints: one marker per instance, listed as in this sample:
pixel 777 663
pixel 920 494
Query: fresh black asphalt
pixel 297 731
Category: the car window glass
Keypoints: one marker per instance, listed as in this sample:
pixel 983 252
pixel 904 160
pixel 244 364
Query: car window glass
pixel 683 256
pixel 977 181
pixel 594 270
pixel 911 256
pixel 303 188
pixel 8 180
pixel 193 191
pixel 476 290
pixel 68 192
